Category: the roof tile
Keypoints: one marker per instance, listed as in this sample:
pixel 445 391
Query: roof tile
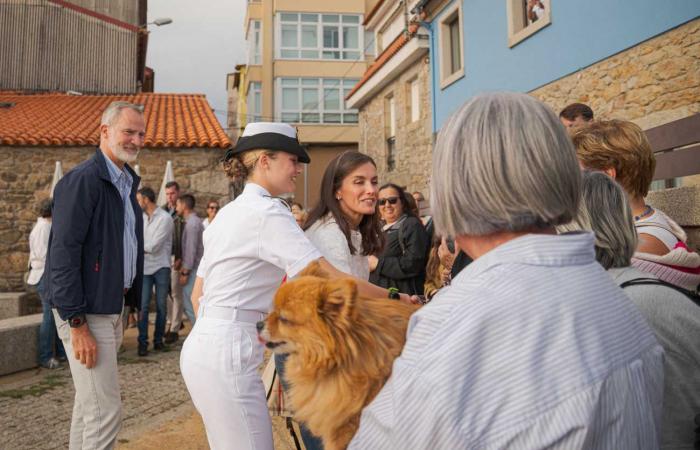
pixel 57 119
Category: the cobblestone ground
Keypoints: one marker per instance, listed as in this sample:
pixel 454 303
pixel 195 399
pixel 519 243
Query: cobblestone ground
pixel 36 406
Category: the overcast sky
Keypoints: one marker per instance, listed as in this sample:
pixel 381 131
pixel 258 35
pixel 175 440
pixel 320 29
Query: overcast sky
pixel 195 52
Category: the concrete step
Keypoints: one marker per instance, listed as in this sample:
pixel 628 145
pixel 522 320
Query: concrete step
pixel 19 343
pixel 16 304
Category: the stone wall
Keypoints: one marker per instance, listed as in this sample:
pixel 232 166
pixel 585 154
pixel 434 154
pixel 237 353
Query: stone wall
pixel 25 179
pixel 655 82
pixel 413 154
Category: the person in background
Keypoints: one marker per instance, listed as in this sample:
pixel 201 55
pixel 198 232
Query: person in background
pixel 622 150
pixel 672 315
pixel 535 10
pixel 424 213
pixel 212 209
pixel 175 301
pixel 94 269
pixel 299 214
pixel 157 248
pixel 192 250
pixel 533 345
pixel 51 350
pixel 402 263
pixel 575 116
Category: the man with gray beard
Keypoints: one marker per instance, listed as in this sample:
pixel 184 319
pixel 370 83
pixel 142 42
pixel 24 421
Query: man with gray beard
pixel 95 265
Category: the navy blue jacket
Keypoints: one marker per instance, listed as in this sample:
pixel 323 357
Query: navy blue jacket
pixel 84 263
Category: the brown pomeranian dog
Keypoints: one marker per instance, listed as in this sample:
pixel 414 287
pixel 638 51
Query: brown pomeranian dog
pixel 341 349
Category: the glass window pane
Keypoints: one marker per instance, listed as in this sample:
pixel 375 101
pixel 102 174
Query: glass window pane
pixel 289 53
pixel 331 99
pixel 309 36
pixel 290 117
pixel 350 38
pixel 311 54
pixel 309 99
pixel 309 17
pixel 350 118
pixel 351 55
pixel 333 82
pixel 288 17
pixel 331 37
pixel 331 55
pixel 351 19
pixel 331 118
pixel 331 18
pixel 455 47
pixel 310 117
pixel 289 35
pixel 350 82
pixel 290 99
pixel 309 81
pixel 290 81
pixel 258 102
pixel 257 24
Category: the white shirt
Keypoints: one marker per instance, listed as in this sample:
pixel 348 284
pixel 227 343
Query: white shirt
pixel 157 241
pixel 327 237
pixel 38 244
pixel 205 223
pixel 248 249
pixel 532 346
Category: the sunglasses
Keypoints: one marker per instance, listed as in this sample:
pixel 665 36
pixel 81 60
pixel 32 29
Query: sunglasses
pixel 390 200
pixel 212 207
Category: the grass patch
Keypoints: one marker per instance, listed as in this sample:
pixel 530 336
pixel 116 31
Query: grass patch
pixel 36 390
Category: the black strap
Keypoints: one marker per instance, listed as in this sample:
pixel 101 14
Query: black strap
pixel 693 296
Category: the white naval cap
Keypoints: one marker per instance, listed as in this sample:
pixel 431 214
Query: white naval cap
pixel 269 136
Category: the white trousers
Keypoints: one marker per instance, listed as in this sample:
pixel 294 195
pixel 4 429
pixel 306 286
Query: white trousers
pixel 219 363
pixel 97 406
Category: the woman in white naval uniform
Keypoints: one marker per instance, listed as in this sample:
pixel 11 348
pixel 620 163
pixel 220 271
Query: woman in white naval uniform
pixel 248 250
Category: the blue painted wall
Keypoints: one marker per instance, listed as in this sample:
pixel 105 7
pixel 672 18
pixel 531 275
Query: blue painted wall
pixel 581 33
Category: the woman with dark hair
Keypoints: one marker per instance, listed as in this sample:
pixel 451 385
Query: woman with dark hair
pixel 402 263
pixel 344 225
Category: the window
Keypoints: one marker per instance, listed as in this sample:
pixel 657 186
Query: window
pixel 254 43
pixel 526 17
pixel 315 100
pixel 413 96
pixel 451 48
pixel 320 36
pixel 390 130
pixel 254 102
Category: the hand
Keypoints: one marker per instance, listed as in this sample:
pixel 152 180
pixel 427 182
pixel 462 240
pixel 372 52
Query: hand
pixel 84 345
pixel 373 261
pixel 182 279
pixel 410 299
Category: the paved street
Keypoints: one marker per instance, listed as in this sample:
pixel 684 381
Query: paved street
pixel 36 406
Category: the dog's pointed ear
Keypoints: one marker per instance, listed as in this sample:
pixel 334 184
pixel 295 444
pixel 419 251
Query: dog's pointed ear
pixel 338 298
pixel 314 270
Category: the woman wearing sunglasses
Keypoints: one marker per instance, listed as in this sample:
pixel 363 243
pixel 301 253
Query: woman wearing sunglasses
pixel 402 263
pixel 212 209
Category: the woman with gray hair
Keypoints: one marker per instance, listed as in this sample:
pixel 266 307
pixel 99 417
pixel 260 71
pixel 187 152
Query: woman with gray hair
pixel 674 318
pixel 532 345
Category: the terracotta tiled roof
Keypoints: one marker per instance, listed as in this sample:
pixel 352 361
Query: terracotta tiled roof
pixel 384 57
pixel 172 120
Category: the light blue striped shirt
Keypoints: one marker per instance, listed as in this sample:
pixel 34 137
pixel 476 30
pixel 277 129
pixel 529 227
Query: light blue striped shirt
pixel 123 182
pixel 533 346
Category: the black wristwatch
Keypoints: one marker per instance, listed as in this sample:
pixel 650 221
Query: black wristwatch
pixel 77 321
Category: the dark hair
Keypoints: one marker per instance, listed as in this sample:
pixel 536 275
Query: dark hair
pixel 407 201
pixel 148 193
pixel 575 110
pixel 170 184
pixel 187 200
pixel 45 208
pixel 370 227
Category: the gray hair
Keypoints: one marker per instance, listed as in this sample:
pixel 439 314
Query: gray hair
pixel 605 211
pixel 114 110
pixel 503 162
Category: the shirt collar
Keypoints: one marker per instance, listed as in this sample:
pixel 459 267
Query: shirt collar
pixel 255 189
pixel 569 249
pixel 114 171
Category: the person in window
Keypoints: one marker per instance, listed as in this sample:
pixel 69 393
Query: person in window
pixel 535 10
pixel 402 263
pixel 621 150
pixel 674 317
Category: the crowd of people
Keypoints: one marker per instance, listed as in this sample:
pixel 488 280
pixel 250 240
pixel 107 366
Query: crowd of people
pixel 561 310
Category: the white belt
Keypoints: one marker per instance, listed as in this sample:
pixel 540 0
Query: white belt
pixel 230 313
